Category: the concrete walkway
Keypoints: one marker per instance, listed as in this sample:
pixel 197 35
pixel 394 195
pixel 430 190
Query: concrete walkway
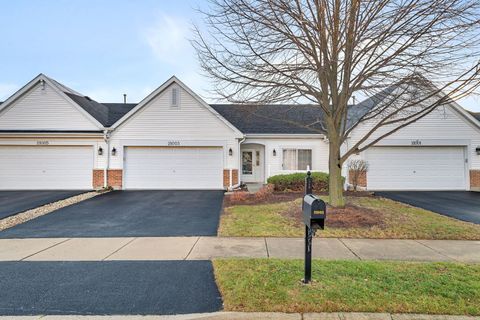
pixel 207 248
pixel 259 316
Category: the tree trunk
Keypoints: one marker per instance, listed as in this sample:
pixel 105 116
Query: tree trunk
pixel 335 182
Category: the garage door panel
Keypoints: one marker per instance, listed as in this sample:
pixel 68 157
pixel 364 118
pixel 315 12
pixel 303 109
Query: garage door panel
pixel 416 168
pixel 46 167
pixel 173 168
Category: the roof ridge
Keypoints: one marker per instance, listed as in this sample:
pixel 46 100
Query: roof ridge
pixel 63 87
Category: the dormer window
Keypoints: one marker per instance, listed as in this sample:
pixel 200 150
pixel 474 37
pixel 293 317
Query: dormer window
pixel 174 97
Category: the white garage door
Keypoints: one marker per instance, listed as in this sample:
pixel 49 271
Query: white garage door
pixel 173 168
pixel 46 167
pixel 416 168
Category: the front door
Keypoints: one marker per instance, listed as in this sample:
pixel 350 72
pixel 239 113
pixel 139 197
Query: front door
pixel 251 166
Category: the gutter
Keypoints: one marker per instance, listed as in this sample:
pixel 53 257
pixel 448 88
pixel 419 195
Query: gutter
pixel 239 163
pixel 285 135
pixel 53 134
pixel 106 138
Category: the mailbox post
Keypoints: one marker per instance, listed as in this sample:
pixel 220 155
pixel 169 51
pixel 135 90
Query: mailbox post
pixel 308 183
pixel 314 213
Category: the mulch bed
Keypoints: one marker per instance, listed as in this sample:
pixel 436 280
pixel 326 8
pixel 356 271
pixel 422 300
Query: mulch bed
pixel 349 217
pixel 246 198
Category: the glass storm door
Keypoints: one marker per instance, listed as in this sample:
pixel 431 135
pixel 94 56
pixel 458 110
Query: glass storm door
pixel 248 166
pixel 247 163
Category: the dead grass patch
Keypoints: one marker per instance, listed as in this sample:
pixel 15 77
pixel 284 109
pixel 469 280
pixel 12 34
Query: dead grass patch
pixel 279 215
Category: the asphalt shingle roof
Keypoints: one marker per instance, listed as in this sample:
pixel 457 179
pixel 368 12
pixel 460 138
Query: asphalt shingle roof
pixel 249 119
pixel 105 113
pixel 273 119
pixel 117 110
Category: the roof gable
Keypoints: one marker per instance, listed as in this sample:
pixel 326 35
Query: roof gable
pixel 47 95
pixel 41 106
pixel 173 80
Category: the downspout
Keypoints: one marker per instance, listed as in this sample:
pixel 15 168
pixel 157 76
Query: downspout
pixel 106 138
pixel 239 162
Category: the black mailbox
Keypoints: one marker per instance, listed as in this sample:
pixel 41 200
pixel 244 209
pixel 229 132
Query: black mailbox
pixel 314 212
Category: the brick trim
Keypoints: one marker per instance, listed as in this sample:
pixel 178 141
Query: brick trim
pixel 235 176
pixel 115 178
pixel 226 178
pixel 97 179
pixel 475 179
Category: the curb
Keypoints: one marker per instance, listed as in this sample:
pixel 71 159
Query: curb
pixel 256 316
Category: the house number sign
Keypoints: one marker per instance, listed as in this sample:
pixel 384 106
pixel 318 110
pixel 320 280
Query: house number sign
pixel 173 143
pixel 416 142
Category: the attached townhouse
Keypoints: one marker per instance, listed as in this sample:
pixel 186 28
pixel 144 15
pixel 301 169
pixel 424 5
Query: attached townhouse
pixel 52 137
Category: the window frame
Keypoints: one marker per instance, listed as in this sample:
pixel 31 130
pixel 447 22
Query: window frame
pixel 296 158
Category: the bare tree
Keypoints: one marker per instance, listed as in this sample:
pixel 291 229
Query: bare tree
pixel 357 169
pixel 325 51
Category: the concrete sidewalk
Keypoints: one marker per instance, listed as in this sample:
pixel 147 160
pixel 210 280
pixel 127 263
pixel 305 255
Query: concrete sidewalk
pixel 259 316
pixel 207 248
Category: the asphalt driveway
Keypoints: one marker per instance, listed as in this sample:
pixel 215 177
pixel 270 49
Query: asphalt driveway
pixel 462 205
pixel 13 202
pixel 129 214
pixel 108 288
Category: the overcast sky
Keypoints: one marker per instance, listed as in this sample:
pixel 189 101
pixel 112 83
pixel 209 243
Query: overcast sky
pixel 103 48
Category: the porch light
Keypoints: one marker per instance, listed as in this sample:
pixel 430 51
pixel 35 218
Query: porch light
pixel 478 150
pixel 100 151
pixel 114 152
pixel 274 152
pixel 230 152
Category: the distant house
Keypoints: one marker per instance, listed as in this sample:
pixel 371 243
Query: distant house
pixel 52 137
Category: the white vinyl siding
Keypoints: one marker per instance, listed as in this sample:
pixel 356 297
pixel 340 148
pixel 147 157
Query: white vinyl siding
pixel 442 124
pixel 44 109
pixel 416 168
pixel 173 168
pixel 46 167
pixel 157 120
pixel 189 123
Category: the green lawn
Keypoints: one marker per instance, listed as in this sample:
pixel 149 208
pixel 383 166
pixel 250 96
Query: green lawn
pixel 348 286
pixel 391 219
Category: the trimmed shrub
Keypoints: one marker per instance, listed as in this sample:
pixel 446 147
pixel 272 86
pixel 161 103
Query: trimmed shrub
pixel 296 181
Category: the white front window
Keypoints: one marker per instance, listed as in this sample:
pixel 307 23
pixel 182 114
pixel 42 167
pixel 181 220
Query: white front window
pixel 297 159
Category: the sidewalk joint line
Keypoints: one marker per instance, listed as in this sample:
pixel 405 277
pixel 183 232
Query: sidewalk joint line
pixel 266 247
pixel 349 249
pixel 191 249
pixel 54 245
pixel 126 244
pixel 436 251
